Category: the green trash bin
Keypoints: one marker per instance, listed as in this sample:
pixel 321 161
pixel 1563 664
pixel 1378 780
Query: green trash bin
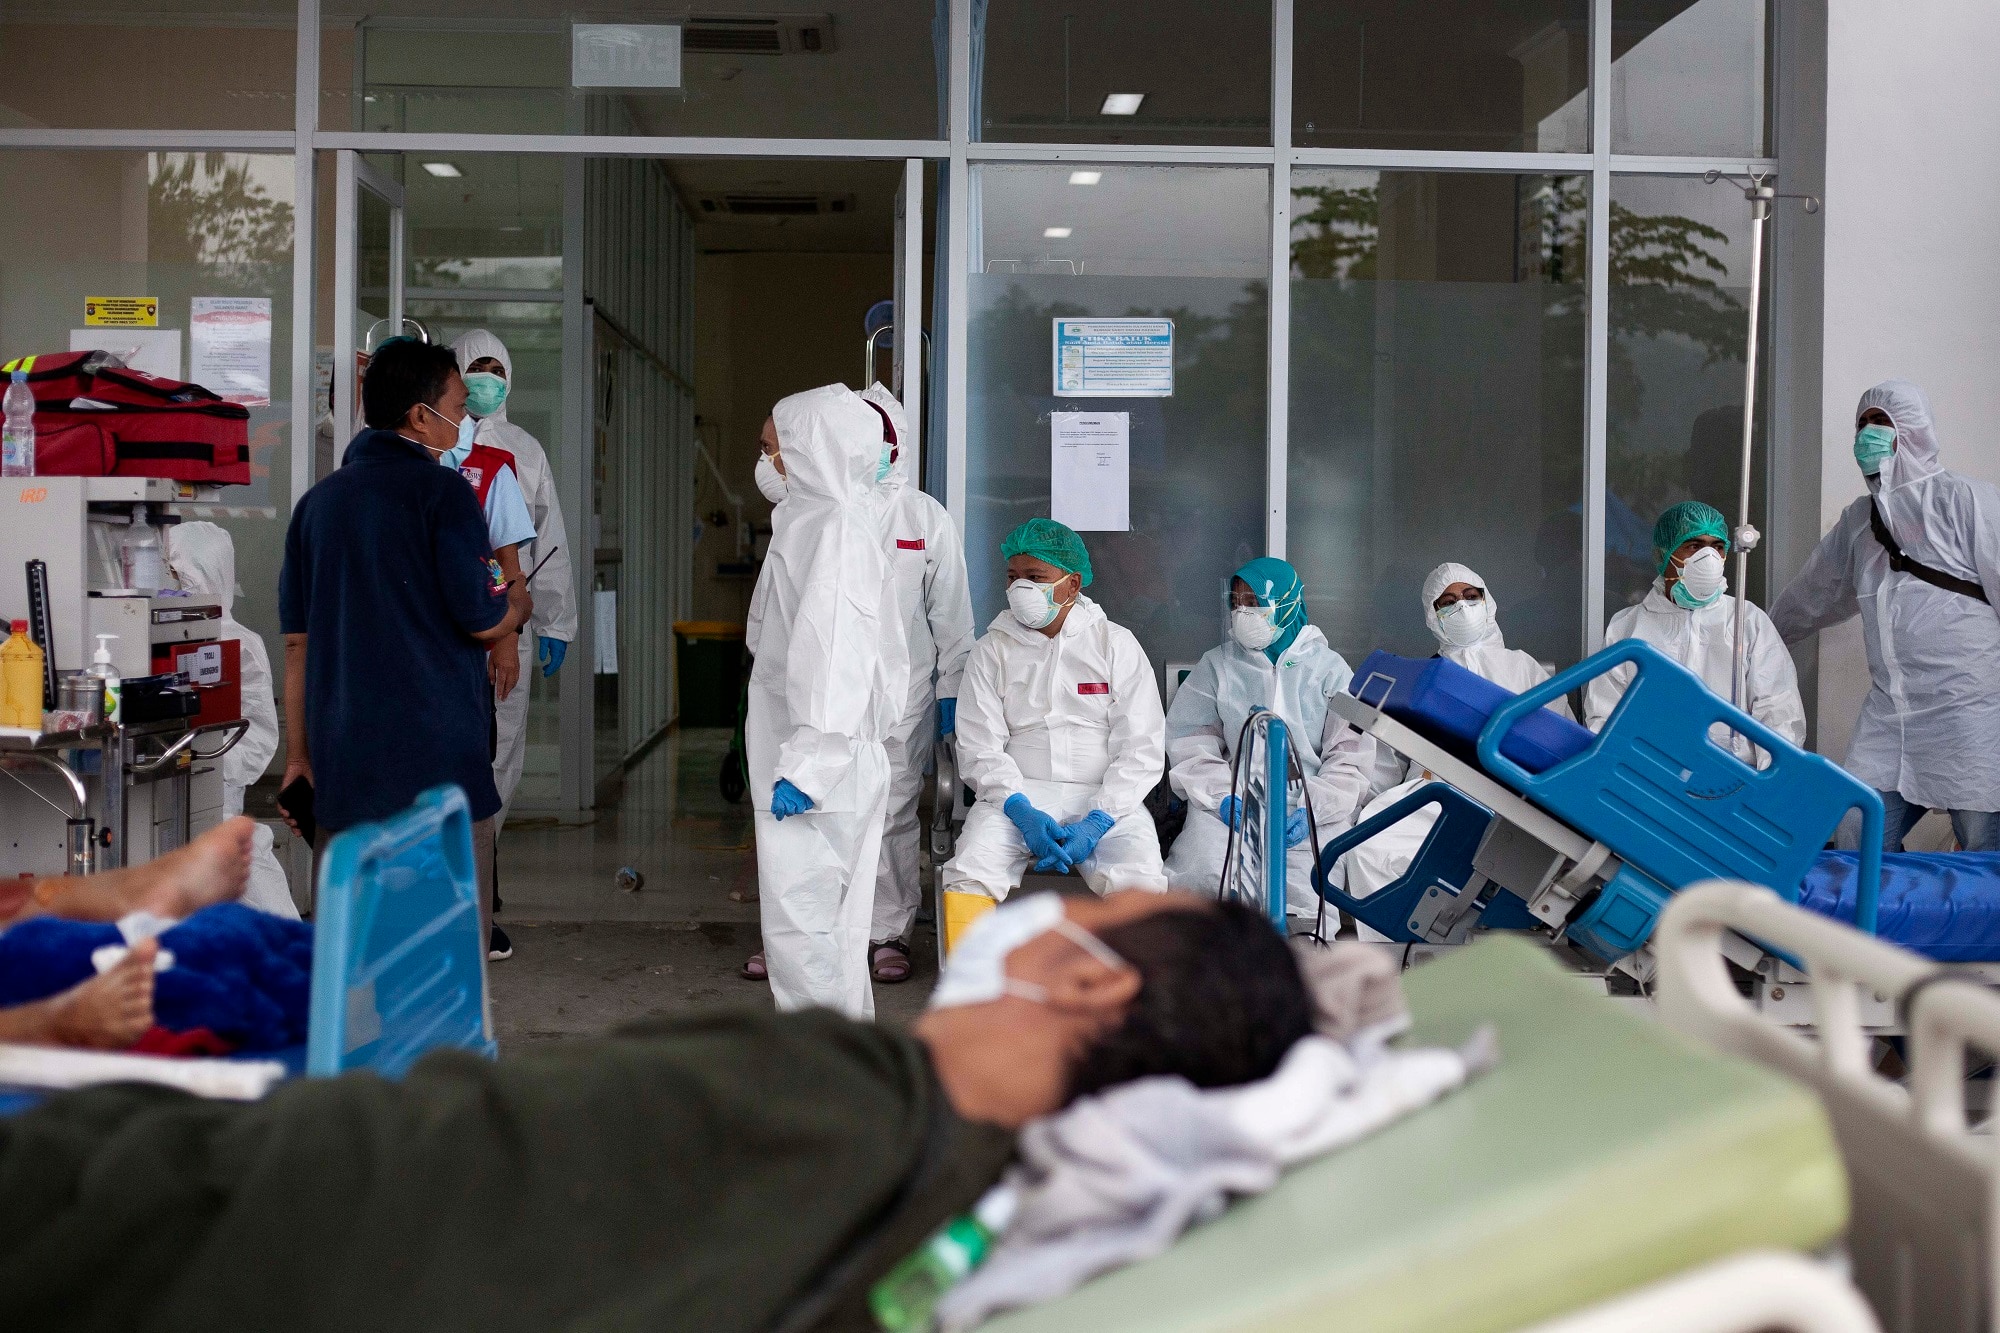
pixel 708 663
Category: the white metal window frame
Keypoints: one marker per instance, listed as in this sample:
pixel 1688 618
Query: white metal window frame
pixel 957 154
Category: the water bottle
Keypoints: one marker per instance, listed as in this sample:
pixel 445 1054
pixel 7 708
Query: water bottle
pixel 906 1300
pixel 17 441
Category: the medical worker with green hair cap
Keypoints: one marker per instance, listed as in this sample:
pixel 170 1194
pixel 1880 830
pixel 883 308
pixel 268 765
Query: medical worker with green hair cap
pixel 1273 658
pixel 1689 616
pixel 1061 735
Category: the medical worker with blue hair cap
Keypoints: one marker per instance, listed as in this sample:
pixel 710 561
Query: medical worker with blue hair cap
pixel 1689 616
pixel 1273 658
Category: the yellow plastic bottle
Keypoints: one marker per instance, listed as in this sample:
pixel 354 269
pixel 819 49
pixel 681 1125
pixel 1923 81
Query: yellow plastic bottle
pixel 21 680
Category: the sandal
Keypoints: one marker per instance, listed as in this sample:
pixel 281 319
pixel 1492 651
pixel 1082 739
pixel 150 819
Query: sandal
pixel 889 961
pixel 754 970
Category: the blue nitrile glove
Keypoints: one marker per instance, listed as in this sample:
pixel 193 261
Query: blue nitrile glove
pixel 1080 839
pixel 1230 811
pixel 947 716
pixel 788 800
pixel 1042 834
pixel 550 652
pixel 1295 828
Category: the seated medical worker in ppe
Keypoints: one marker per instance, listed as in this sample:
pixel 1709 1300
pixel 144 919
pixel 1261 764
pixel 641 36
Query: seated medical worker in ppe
pixel 1464 618
pixel 1272 659
pixel 1689 617
pixel 202 558
pixel 722 1172
pixel 1918 559
pixel 1060 733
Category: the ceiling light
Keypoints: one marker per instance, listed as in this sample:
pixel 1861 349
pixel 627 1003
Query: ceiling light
pixel 1055 233
pixel 1121 104
pixel 443 170
pixel 1085 177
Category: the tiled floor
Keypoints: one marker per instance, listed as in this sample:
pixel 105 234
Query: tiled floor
pixel 589 955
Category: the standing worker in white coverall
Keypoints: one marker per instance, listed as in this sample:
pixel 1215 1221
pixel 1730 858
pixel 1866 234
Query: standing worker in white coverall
pixel 826 691
pixel 927 566
pixel 202 559
pixel 1464 618
pixel 1274 658
pixel 489 376
pixel 1060 733
pixel 1918 559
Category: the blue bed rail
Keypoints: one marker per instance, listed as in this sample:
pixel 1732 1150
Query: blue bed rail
pixel 399 963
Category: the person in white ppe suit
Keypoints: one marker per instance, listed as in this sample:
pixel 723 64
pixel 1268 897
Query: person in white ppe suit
pixel 489 374
pixel 827 689
pixel 1918 559
pixel 1689 616
pixel 1061 734
pixel 1274 658
pixel 1464 618
pixel 202 558
pixel 927 564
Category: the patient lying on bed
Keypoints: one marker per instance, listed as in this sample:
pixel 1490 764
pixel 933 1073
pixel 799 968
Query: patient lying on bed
pixel 112 1010
pixel 745 1171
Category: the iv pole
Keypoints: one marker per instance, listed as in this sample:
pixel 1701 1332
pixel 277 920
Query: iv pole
pixel 1743 539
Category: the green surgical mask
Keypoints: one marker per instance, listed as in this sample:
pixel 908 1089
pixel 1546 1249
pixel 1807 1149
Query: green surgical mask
pixel 1872 447
pixel 485 392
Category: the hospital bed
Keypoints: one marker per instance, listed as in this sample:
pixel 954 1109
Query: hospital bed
pixel 399 969
pixel 1613 1173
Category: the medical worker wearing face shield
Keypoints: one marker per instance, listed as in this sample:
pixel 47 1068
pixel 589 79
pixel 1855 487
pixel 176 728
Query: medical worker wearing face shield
pixel 1060 733
pixel 927 566
pixel 1272 659
pixel 1918 558
pixel 1689 616
pixel 489 376
pixel 202 559
pixel 828 687
pixel 1464 618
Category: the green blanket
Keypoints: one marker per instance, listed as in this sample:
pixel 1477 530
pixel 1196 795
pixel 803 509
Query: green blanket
pixel 734 1172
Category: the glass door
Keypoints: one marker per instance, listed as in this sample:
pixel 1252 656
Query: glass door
pixel 368 266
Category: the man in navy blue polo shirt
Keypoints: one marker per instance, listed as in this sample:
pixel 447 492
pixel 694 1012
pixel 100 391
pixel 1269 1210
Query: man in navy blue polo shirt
pixel 388 596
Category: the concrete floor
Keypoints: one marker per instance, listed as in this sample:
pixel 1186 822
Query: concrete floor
pixel 589 955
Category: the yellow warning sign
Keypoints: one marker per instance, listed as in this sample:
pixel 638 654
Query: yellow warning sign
pixel 124 312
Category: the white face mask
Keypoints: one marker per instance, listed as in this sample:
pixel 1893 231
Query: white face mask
pixel 1465 623
pixel 1033 604
pixel 976 970
pixel 1255 627
pixel 770 481
pixel 1702 579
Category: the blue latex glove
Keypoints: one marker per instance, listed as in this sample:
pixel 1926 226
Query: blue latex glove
pixel 947 716
pixel 1080 839
pixel 788 800
pixel 1042 834
pixel 1295 828
pixel 550 653
pixel 1231 810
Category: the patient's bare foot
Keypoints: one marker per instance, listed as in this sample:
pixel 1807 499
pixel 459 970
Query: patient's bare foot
pixel 214 868
pixel 107 1013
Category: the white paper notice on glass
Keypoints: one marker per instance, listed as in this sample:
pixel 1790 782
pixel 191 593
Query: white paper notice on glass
pixel 604 605
pixel 154 351
pixel 1090 479
pixel 229 347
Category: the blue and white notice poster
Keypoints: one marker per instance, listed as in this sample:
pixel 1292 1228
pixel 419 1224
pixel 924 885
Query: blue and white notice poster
pixel 1114 358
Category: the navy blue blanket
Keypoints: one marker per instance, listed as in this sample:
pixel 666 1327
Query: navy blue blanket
pixel 244 975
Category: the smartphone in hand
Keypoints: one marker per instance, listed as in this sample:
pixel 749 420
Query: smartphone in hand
pixel 296 800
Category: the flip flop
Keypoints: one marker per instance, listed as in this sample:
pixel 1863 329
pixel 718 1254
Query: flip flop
pixel 754 970
pixel 889 962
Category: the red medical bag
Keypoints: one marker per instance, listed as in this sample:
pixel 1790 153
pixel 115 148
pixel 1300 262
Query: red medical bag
pixel 156 427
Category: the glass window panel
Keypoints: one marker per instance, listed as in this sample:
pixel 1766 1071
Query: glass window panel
pixel 1458 74
pixel 1437 401
pixel 1043 72
pixel 151 65
pixel 1191 243
pixel 1680 266
pixel 175 226
pixel 781 68
pixel 1691 77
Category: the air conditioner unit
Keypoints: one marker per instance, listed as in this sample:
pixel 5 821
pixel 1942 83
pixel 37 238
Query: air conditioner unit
pixel 758 34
